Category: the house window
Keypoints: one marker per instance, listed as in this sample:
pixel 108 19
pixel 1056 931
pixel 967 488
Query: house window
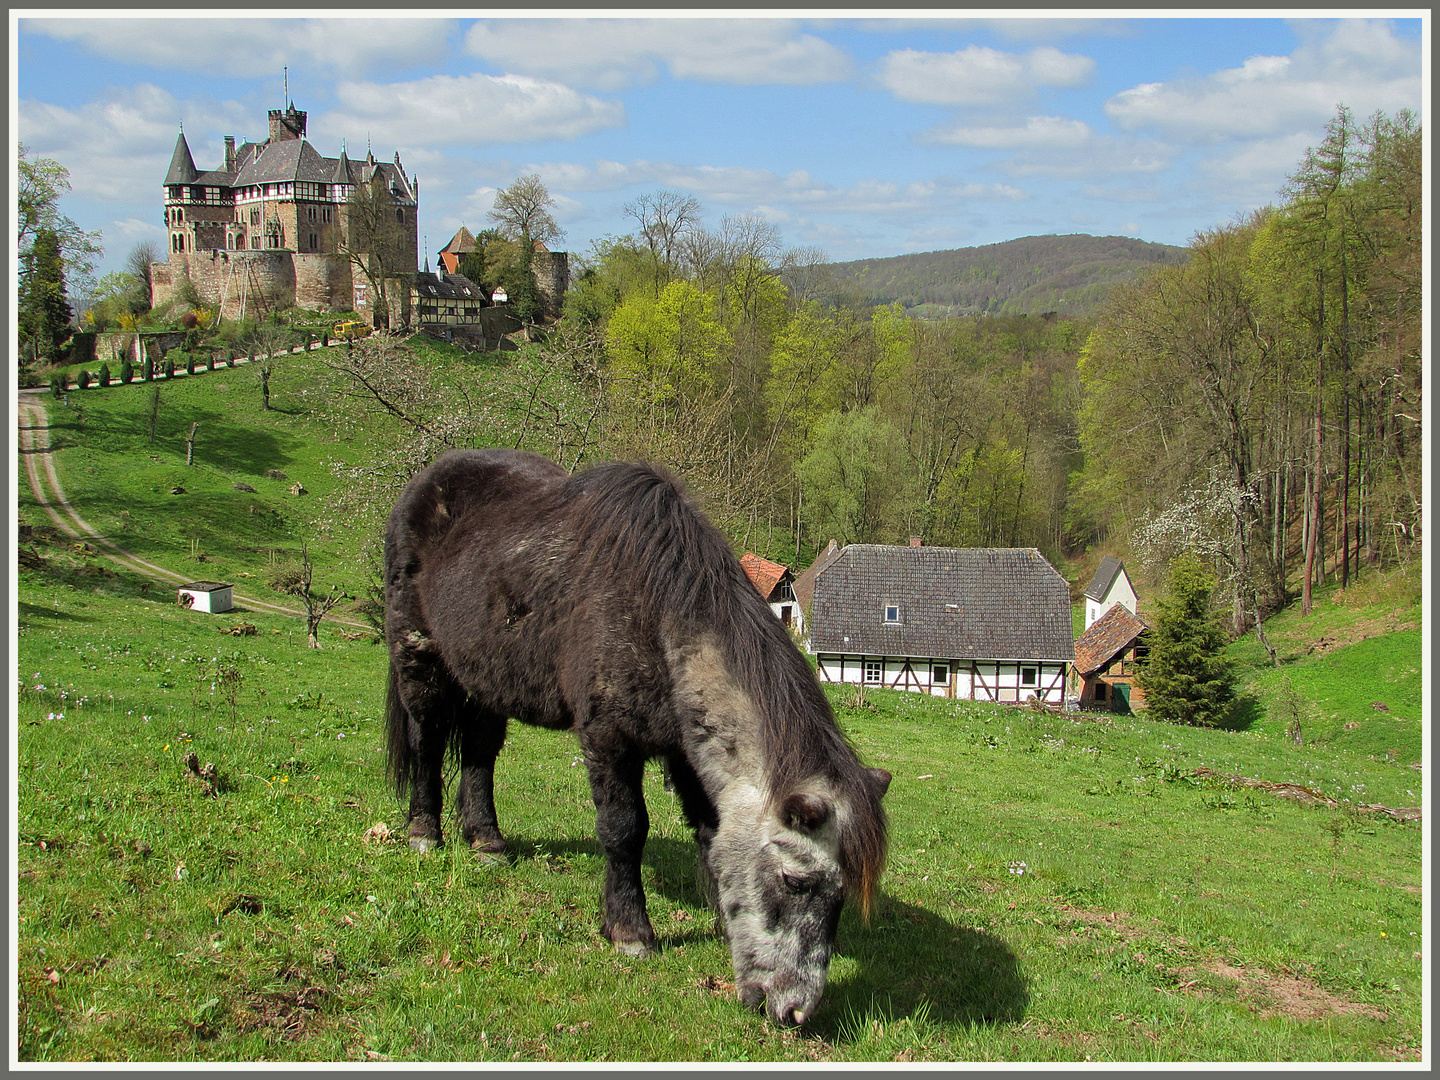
pixel 400 216
pixel 325 213
pixel 1102 691
pixel 1029 676
pixel 255 217
pixel 892 613
pixel 940 675
pixel 786 592
pixel 873 671
pixel 314 242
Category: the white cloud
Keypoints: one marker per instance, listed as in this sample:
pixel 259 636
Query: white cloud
pixel 246 46
pixel 466 110
pixel 117 149
pixel 1038 132
pixel 611 54
pixel 752 189
pixel 977 75
pixel 1358 63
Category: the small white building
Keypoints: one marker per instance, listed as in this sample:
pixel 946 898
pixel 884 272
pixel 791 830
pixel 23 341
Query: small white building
pixel 776 584
pixel 208 596
pixel 1110 586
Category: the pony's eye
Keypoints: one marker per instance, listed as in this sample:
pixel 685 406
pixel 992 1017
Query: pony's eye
pixel 796 884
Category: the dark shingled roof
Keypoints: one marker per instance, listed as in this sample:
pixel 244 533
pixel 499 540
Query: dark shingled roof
pixel 958 603
pixel 448 287
pixel 1105 576
pixel 182 165
pixel 1107 635
pixel 805 580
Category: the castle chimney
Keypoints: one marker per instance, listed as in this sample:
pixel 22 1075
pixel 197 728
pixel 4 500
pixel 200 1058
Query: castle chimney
pixel 230 153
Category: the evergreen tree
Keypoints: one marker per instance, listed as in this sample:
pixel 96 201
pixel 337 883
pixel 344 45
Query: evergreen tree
pixel 1188 679
pixel 44 308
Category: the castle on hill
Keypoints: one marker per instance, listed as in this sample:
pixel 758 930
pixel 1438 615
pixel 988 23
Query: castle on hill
pixel 272 227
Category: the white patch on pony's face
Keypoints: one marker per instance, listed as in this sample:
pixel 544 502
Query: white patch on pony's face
pixel 780 893
pixel 776 867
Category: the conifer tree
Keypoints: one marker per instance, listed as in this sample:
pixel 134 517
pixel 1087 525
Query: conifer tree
pixel 1188 679
pixel 45 310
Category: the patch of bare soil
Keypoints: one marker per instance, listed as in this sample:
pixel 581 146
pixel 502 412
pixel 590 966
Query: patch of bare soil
pixel 287 1013
pixel 1359 631
pixel 1282 995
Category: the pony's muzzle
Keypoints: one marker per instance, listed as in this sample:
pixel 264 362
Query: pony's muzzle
pixel 785 1005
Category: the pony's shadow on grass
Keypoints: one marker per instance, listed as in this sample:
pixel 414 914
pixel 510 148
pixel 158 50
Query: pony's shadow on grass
pixel 909 962
pixel 913 963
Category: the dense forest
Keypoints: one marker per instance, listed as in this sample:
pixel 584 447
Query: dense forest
pixel 1256 403
pixel 1034 275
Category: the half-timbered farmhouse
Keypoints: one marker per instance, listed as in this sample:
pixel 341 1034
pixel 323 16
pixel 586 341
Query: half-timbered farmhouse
pixel 1107 657
pixel 1110 585
pixel 991 624
pixel 776 584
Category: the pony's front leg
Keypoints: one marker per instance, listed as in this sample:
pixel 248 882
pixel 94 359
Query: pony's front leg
pixel 622 823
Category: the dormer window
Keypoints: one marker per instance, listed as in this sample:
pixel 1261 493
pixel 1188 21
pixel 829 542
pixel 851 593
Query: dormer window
pixel 892 614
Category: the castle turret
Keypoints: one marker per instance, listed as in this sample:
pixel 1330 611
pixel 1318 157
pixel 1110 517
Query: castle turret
pixel 182 165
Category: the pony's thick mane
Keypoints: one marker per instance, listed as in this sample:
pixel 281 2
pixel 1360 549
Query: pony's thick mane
pixel 637 530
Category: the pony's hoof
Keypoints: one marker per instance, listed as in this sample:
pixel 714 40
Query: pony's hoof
pixel 637 949
pixel 423 844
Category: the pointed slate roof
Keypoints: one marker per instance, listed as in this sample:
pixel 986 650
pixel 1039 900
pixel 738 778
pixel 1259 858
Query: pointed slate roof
pixel 1105 576
pixel 956 603
pixel 342 169
pixel 182 165
pixel 1107 635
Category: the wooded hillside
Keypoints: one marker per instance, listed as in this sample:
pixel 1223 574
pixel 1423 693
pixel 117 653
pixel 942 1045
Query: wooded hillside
pixel 1071 275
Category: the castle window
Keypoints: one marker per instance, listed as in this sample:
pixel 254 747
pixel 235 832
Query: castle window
pixel 255 217
pixel 310 213
pixel 400 216
pixel 255 242
pixel 325 213
pixel 314 242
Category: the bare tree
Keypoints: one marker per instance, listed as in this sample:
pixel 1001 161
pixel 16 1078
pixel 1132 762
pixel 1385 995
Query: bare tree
pixel 664 218
pixel 523 213
pixel 377 244
pixel 317 605
pixel 138 263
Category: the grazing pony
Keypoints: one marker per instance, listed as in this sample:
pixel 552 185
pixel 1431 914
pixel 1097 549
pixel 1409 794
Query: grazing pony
pixel 605 604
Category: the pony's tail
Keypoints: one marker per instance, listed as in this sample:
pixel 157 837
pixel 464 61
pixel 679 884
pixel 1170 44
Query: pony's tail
pixel 401 764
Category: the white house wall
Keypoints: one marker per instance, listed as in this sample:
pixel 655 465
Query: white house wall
pixel 980 680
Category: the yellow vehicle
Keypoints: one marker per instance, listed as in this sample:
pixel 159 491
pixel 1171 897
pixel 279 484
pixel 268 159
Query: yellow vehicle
pixel 348 331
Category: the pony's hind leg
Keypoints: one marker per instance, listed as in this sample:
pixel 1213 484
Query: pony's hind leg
pixel 431 703
pixel 481 737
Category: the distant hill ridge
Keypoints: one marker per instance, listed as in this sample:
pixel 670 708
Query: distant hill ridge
pixel 1069 274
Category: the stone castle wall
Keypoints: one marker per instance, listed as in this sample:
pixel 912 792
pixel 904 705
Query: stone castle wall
pixel 234 283
pixel 552 278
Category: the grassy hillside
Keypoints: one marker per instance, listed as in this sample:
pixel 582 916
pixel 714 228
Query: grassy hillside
pixel 1071 275
pixel 1060 888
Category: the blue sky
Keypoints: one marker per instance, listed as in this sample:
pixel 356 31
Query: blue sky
pixel 860 134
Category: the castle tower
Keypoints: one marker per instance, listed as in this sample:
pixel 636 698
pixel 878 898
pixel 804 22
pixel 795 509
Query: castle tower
pixel 287 125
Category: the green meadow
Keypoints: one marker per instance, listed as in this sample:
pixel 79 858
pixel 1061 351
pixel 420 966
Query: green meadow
pixel 1060 887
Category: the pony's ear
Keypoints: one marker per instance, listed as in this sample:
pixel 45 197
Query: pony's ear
pixel 804 812
pixel 881 779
